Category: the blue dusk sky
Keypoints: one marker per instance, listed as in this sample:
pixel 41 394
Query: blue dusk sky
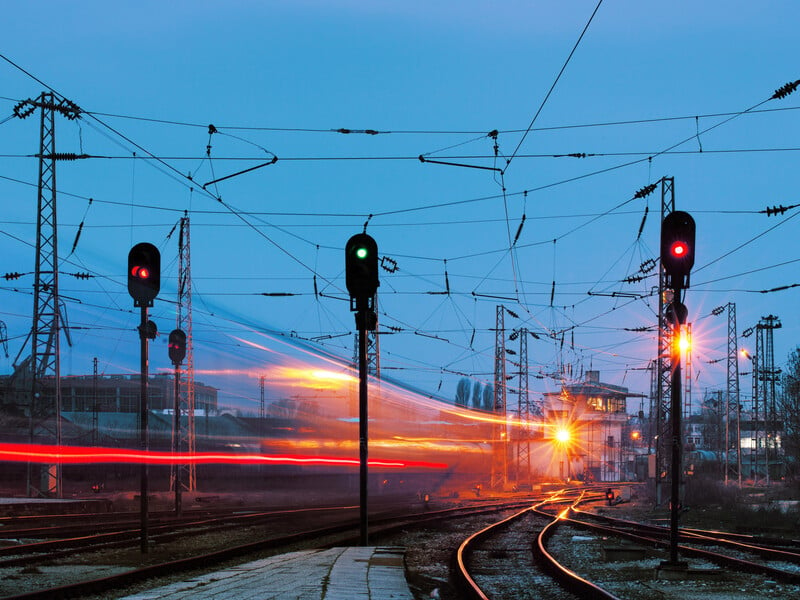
pixel 552 132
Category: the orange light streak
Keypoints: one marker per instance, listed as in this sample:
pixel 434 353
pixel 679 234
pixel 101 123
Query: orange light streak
pixel 73 455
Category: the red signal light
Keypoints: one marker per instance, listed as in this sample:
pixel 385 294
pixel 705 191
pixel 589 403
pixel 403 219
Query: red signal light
pixel 679 249
pixel 140 272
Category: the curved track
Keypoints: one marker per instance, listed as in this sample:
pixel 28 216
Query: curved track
pixel 507 539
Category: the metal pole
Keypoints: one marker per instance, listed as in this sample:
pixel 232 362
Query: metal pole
pixel 143 431
pixel 176 440
pixel 361 322
pixel 675 409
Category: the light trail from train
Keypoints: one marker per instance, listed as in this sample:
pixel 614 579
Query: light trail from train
pixel 40 453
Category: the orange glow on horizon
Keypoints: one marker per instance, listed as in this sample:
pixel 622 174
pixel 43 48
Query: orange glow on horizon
pixel 45 454
pixel 308 377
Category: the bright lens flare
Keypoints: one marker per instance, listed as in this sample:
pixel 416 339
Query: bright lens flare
pixel 562 436
pixel 683 342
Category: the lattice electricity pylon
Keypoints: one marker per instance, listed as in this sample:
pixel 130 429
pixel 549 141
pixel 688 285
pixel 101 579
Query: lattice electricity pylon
pixel 733 411
pixel 45 398
pixel 4 337
pixel 184 322
pixel 524 430
pixel 663 440
pixel 768 377
pixel 499 467
pixel 262 407
pixel 95 406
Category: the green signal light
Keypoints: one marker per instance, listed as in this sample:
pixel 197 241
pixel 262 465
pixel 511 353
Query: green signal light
pixel 362 253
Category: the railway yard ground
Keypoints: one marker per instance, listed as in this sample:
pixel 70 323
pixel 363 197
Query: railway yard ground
pixel 504 566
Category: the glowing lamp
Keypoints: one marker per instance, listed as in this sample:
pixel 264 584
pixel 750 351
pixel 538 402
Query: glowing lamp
pixel 684 343
pixel 679 249
pixel 562 436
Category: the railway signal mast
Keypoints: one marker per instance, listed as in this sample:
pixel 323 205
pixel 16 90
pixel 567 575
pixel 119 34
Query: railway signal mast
pixel 144 283
pixel 177 352
pixel 361 277
pixel 677 259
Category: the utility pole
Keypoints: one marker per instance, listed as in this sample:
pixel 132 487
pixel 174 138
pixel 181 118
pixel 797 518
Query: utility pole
pixel 45 404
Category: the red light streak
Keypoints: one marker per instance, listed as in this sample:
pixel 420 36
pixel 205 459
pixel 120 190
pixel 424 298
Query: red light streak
pixel 75 455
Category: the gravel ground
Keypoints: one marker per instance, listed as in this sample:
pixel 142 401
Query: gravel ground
pixel 636 579
pixel 430 552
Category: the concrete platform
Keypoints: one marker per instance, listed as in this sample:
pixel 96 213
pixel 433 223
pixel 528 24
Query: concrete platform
pixel 355 573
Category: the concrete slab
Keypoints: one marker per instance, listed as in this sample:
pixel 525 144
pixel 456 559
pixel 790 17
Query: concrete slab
pixel 351 573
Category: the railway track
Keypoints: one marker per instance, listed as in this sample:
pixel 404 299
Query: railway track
pixel 555 541
pixel 306 529
pixel 733 551
pixel 510 558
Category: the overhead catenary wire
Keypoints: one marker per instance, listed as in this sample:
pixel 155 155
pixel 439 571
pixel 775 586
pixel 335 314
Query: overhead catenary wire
pixel 246 213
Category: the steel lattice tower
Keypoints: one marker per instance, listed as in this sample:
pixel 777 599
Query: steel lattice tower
pixel 524 413
pixel 768 376
pixel 262 408
pixel 95 405
pixel 733 410
pixel 663 385
pixel 184 322
pixel 45 399
pixel 499 474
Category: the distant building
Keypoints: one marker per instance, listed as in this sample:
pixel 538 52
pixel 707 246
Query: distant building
pixel 595 413
pixel 111 393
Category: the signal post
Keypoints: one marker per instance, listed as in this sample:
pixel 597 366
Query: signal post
pixel 177 352
pixel 144 282
pixel 677 259
pixel 361 276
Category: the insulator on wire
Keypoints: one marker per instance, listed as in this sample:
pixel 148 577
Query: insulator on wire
pixel 785 90
pixel 646 191
pixel 644 220
pixel 519 231
pixel 647 265
pixel 28 107
pixel 388 264
pixel 778 210
pixel 633 279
